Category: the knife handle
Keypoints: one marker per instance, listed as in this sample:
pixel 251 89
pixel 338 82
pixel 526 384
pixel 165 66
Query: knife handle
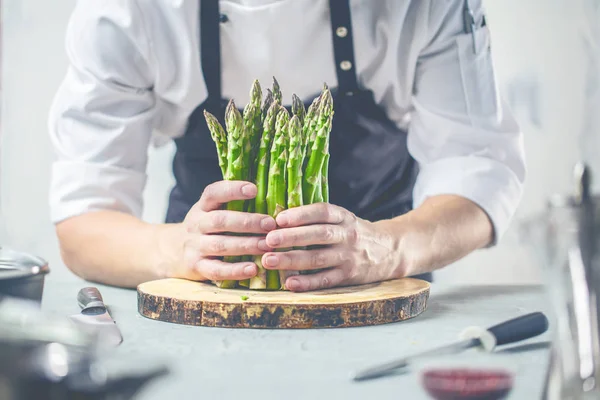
pixel 520 328
pixel 90 298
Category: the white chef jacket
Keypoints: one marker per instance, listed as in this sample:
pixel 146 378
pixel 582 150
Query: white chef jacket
pixel 134 77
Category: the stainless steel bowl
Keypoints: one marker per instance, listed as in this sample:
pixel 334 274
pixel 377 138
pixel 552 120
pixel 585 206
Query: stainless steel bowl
pixel 45 356
pixel 22 275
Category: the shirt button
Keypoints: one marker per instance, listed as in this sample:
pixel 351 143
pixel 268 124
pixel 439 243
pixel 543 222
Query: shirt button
pixel 345 65
pixel 223 18
pixel 341 31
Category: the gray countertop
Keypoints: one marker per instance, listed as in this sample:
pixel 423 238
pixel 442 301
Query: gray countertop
pixel 216 363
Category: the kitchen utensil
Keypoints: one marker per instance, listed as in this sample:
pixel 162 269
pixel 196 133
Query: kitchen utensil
pixel 511 331
pixel 467 383
pixel 195 303
pixel 22 275
pixel 565 238
pixel 43 356
pixel 94 317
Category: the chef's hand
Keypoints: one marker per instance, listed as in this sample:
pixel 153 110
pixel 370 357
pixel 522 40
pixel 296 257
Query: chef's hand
pixel 354 251
pixel 442 230
pixel 208 234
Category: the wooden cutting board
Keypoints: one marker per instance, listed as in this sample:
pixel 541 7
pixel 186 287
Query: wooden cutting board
pixel 195 303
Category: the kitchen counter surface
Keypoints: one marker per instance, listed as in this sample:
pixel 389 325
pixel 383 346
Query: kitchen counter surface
pixel 216 363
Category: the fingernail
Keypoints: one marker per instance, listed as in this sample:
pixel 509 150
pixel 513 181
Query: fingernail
pixel 274 238
pixel 293 284
pixel 268 224
pixel 249 270
pixel 271 261
pixel 262 245
pixel 282 220
pixel 249 190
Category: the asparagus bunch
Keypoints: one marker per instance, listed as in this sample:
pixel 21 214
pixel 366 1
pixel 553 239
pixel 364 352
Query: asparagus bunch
pixel 287 156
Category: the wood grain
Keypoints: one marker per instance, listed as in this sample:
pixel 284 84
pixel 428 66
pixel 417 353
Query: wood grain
pixel 195 303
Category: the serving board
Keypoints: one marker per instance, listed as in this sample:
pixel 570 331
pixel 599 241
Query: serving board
pixel 196 303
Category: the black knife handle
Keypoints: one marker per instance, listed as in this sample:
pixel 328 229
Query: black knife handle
pixel 89 298
pixel 520 328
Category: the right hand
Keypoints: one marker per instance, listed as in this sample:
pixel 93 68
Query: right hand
pixel 208 229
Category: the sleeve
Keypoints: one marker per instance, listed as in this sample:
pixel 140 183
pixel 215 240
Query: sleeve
pixel 100 121
pixel 462 134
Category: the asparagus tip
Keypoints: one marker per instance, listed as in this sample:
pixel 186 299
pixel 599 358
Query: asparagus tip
pixel 284 110
pixel 256 93
pixel 276 91
pixel 230 107
pixel 233 117
pixel 294 123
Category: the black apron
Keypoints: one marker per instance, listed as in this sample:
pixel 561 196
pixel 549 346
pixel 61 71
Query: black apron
pixel 371 172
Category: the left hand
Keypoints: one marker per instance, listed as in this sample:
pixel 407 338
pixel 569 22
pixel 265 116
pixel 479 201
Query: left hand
pixel 354 250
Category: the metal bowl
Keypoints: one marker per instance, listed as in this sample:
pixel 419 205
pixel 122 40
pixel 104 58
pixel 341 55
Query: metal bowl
pixel 22 275
pixel 43 356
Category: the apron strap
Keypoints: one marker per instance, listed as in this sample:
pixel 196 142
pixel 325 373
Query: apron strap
pixel 343 45
pixel 210 48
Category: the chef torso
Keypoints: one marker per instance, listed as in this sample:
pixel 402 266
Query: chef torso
pixel 135 76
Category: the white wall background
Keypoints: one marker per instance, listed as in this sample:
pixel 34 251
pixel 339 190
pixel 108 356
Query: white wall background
pixel 543 64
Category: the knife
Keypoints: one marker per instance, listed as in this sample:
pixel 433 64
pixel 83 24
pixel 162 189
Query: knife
pixel 94 317
pixel 511 331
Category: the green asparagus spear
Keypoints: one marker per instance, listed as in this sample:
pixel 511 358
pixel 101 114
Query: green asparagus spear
pixel 245 283
pixel 325 179
pixel 298 108
pixel 294 163
pixel 277 96
pixel 312 184
pixel 267 104
pixel 309 118
pixel 276 188
pixel 317 195
pixel 277 172
pixel 220 138
pixel 294 176
pixel 263 158
pixel 256 94
pixel 262 171
pixel 252 132
pixel 235 150
pixel 249 135
pixel 252 128
pixel 235 159
pixel 257 127
pixel 309 128
pixel 325 169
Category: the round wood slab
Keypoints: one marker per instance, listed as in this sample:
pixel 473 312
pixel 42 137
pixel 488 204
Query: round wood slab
pixel 195 303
